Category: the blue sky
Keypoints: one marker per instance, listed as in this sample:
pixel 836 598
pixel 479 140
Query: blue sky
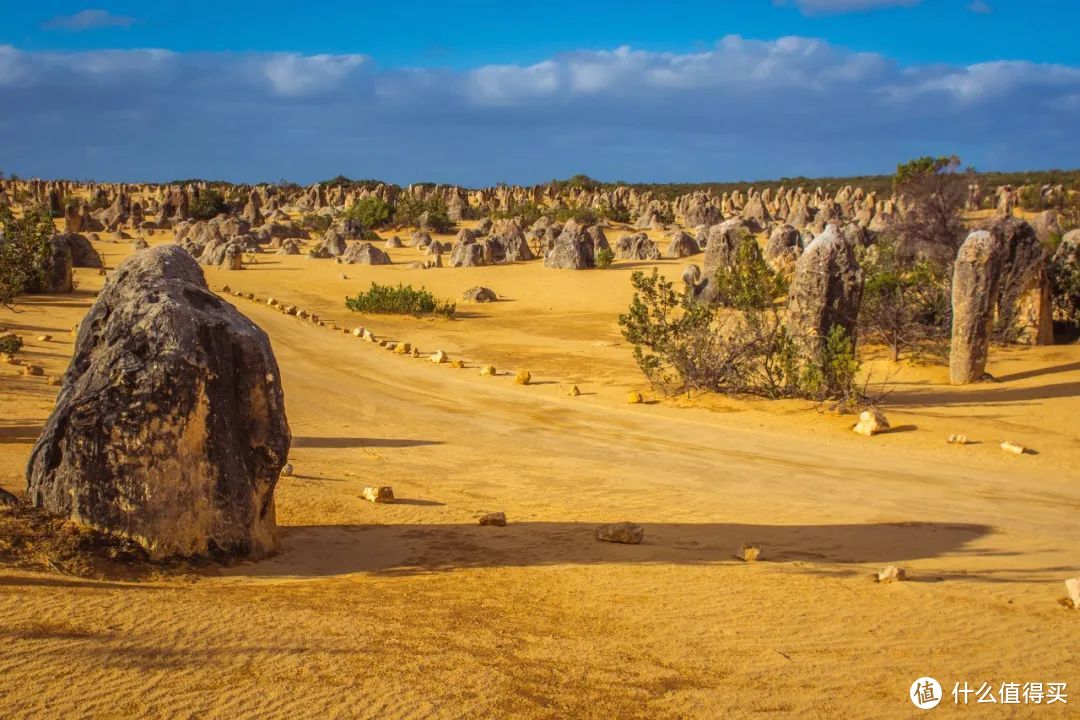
pixel 481 92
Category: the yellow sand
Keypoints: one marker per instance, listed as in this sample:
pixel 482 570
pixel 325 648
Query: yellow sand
pixel 413 610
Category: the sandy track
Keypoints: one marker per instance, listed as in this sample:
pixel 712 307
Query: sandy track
pixel 411 610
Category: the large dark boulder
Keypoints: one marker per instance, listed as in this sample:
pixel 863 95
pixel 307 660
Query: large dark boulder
pixel 170 428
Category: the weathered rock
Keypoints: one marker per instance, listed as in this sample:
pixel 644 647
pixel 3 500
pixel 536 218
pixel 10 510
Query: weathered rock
pixel 8 499
pixel 170 428
pixel 1024 305
pixel 83 253
pixel 871 422
pixel 469 254
pixel 623 532
pixel 523 377
pixel 781 239
pixel 57 276
pixel 365 254
pixel 636 247
pixel 380 494
pixel 1014 448
pixel 233 257
pixel 487 370
pixel 439 357
pixel 479 295
pixel 825 293
pixel 634 397
pixel 891 574
pixel 1072 587
pixel 749 553
pixel 974 294
pixel 334 243
pixel 682 245
pixel 497 519
pixel 573 249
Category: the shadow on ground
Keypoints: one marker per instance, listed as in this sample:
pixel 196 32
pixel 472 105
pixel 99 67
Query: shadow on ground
pixel 401 549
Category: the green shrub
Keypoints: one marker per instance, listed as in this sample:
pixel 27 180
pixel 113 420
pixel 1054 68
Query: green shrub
pixel 24 251
pixel 580 215
pixel 835 376
pixel 410 210
pixel 527 211
pixel 316 222
pixel 736 345
pixel 604 257
pixel 371 212
pixel 905 305
pixel 209 204
pixel 400 300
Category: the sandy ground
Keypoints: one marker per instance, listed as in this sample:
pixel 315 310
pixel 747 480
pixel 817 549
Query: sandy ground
pixel 412 610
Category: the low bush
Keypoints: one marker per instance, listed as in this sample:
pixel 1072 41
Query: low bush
pixel 24 251
pixel 371 212
pixel 316 222
pixel 604 257
pixel 209 204
pixel 906 306
pixel 400 300
pixel 737 344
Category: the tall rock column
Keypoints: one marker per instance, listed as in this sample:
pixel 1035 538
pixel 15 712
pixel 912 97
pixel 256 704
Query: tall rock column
pixel 825 292
pixel 975 288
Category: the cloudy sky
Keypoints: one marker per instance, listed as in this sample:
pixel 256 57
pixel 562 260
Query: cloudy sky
pixel 481 92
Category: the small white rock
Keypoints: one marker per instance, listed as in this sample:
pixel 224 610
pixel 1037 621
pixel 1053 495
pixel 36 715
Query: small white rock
pixel 439 357
pixel 749 553
pixel 287 471
pixel 871 422
pixel 381 494
pixel 957 440
pixel 891 574
pixel 1073 587
pixel 1014 448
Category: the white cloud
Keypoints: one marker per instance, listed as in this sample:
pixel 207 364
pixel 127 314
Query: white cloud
pixel 293 75
pixel 741 108
pixel 88 20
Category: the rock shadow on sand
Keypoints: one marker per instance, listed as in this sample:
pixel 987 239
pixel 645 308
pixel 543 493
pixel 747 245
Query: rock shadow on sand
pixel 406 549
